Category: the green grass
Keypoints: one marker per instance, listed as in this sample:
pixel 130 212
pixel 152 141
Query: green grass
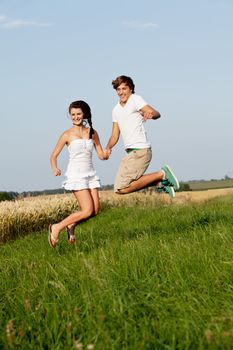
pixel 139 278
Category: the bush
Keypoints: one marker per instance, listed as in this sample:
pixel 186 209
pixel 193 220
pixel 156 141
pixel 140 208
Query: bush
pixel 184 187
pixel 6 196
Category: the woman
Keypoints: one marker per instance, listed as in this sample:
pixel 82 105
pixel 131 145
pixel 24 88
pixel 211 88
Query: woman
pixel 81 177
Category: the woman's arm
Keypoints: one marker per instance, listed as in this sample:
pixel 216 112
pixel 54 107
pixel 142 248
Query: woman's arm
pixel 53 158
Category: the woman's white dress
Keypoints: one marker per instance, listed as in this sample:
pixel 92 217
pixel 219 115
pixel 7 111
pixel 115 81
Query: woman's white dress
pixel 80 173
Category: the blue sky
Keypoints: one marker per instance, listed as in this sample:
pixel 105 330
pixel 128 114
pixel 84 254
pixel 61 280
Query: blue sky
pixel 178 52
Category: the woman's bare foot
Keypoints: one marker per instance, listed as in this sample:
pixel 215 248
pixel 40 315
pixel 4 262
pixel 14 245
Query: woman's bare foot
pixel 70 234
pixel 53 236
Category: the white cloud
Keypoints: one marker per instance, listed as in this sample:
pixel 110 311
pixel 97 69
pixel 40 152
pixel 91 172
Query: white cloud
pixel 8 23
pixel 150 25
pixel 2 18
pixel 141 25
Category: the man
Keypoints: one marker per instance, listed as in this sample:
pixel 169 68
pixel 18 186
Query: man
pixel 129 116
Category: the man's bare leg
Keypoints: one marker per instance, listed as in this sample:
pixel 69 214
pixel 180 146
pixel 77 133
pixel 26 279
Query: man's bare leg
pixel 143 182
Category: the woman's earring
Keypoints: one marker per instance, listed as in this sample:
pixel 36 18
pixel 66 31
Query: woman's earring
pixel 84 122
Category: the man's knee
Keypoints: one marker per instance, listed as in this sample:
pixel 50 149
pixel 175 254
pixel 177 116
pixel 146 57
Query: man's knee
pixel 121 185
pixel 118 192
pixel 123 190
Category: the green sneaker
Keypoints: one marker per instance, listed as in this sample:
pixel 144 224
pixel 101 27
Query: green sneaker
pixel 170 176
pixel 167 189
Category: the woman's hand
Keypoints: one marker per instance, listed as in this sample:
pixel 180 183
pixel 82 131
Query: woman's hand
pixel 56 172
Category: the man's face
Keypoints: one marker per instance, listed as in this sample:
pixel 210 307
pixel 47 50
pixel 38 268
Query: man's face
pixel 124 92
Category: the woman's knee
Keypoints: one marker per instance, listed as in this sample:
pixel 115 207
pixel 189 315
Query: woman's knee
pixel 88 212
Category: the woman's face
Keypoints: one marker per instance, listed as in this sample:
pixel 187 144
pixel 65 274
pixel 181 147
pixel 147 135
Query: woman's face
pixel 76 116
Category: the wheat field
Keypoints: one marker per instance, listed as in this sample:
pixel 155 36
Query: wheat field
pixel 150 197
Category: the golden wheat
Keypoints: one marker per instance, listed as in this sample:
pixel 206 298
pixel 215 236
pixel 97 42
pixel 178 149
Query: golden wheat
pixel 32 214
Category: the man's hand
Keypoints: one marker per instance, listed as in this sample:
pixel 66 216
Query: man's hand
pixel 148 115
pixel 149 112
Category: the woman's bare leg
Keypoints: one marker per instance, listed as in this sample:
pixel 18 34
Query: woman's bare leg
pixel 71 228
pixel 95 196
pixel 96 200
pixel 87 207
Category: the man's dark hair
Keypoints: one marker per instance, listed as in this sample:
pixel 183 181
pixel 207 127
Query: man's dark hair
pixel 123 79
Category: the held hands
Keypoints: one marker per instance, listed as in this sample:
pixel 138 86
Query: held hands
pixel 107 152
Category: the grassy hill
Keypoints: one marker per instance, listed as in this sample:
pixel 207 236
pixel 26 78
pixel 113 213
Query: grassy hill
pixel 148 276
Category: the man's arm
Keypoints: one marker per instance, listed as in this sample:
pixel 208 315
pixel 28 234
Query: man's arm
pixel 114 137
pixel 149 112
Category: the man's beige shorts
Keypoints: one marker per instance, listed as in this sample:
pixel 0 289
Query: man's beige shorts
pixel 132 166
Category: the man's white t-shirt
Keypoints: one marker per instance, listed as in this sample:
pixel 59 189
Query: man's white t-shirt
pixel 131 122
